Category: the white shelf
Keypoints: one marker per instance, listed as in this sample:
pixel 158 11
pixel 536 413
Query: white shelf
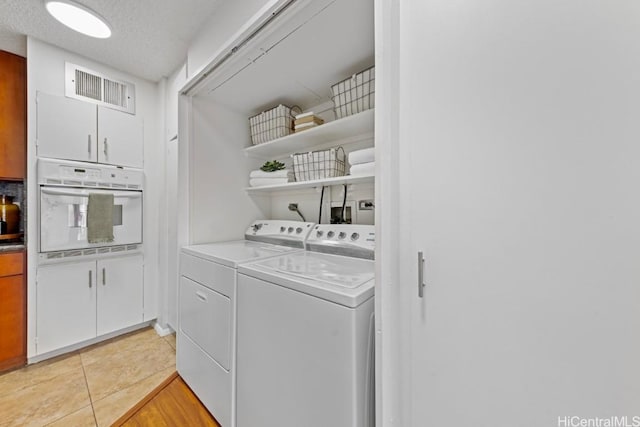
pixel 348 179
pixel 342 131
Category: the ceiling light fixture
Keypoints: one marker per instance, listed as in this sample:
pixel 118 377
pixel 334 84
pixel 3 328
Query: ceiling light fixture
pixel 79 18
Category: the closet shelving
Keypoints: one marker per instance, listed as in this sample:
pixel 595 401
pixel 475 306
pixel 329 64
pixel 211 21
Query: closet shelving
pixel 316 183
pixel 338 132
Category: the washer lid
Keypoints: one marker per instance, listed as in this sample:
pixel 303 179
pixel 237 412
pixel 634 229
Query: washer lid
pixel 344 280
pixel 234 252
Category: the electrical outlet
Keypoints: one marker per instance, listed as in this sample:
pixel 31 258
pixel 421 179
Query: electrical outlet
pixel 366 205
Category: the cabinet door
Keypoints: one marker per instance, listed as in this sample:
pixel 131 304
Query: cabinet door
pixel 13 115
pixel 66 305
pixel 120 293
pixel 120 138
pixel 12 321
pixel 66 128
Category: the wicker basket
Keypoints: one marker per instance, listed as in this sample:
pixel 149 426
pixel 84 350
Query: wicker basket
pixel 355 94
pixel 271 124
pixel 319 164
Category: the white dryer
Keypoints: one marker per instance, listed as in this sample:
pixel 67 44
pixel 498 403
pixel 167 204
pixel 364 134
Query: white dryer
pixel 305 351
pixel 206 336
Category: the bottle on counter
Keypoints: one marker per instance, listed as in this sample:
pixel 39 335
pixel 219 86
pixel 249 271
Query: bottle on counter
pixel 9 215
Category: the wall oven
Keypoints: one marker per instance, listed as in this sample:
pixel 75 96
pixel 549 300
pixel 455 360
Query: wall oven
pixel 65 187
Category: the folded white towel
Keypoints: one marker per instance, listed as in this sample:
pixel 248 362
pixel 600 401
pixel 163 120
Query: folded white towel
pixel 364 169
pixel 282 173
pixel 259 182
pixel 362 156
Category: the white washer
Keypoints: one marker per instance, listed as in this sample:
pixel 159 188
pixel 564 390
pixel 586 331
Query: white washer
pixel 305 334
pixel 206 336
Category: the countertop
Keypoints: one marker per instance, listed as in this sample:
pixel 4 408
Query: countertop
pixel 11 247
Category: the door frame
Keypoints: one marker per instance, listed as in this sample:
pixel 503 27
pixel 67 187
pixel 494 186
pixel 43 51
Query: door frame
pixel 392 322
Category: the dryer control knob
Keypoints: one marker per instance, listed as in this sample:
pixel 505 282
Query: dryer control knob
pixel 290 229
pixel 331 234
pixel 319 233
pixel 355 236
pixel 282 229
pixel 342 235
pixel 298 230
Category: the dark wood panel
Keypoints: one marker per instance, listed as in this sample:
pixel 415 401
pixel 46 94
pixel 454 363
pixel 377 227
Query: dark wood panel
pixel 172 403
pixel 11 264
pixel 12 322
pixel 13 116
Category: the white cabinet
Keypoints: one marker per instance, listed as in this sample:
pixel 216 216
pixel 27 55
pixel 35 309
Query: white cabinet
pixel 66 128
pixel 77 130
pixel 120 138
pixel 120 293
pixel 66 305
pixel 84 300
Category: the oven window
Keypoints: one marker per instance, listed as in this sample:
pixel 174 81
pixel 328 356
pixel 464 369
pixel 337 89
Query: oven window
pixel 78 215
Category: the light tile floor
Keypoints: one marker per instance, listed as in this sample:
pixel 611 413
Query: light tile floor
pixel 89 387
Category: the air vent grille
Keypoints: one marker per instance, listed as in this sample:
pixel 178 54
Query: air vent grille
pixel 115 93
pixel 88 85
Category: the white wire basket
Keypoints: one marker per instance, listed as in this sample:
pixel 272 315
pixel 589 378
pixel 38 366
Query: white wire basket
pixel 272 124
pixel 319 164
pixel 355 94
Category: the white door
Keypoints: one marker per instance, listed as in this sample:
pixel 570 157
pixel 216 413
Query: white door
pixel 66 305
pixel 120 293
pixel 120 138
pixel 66 128
pixel 519 166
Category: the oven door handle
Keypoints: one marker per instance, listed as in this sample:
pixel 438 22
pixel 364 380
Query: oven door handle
pixel 133 194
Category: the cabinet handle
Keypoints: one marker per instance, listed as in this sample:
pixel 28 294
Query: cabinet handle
pixel 420 274
pixel 105 147
pixel 90 280
pixel 201 296
pixel 104 276
pixel 89 145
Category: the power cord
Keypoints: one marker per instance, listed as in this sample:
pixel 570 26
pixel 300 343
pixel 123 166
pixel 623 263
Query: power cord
pixel 320 213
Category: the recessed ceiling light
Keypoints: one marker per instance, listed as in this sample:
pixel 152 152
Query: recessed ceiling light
pixel 79 18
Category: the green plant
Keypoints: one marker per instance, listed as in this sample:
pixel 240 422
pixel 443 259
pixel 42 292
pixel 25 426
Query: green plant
pixel 272 166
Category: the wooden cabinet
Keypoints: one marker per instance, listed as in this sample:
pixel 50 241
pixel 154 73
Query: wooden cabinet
pixel 13 116
pixel 76 130
pixel 84 300
pixel 12 310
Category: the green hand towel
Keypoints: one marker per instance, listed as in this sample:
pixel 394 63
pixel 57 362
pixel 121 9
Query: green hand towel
pixel 100 218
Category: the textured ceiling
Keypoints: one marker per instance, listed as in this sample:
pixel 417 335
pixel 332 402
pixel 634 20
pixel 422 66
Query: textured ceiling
pixel 150 37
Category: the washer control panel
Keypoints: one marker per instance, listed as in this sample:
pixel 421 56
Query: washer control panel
pixel 280 229
pixel 347 235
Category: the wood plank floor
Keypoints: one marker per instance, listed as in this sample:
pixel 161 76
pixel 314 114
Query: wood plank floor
pixel 172 403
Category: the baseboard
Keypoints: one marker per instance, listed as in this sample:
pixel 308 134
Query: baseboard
pixel 163 331
pixel 78 346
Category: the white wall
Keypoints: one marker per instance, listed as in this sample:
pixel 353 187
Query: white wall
pixel 45 72
pixel 169 259
pixel 220 209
